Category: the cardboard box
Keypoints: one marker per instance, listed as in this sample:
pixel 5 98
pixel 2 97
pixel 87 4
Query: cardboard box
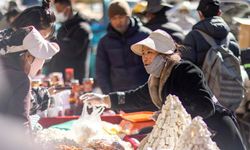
pixel 244 32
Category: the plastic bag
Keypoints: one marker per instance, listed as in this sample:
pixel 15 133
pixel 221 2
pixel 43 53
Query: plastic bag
pixel 88 125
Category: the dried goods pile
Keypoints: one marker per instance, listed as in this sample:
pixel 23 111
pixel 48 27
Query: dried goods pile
pixel 196 137
pixel 173 130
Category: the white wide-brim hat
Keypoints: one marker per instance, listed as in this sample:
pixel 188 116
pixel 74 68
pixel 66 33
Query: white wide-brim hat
pixel 158 40
pixel 36 45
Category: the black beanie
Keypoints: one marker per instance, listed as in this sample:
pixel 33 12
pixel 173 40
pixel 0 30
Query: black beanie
pixel 209 8
pixel 205 4
pixel 119 7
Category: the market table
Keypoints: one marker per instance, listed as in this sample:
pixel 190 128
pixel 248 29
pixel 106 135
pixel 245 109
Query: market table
pixel 49 121
pixel 131 121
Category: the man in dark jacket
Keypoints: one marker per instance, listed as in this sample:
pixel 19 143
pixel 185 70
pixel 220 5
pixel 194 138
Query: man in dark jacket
pixel 73 38
pixel 157 19
pixel 117 68
pixel 212 24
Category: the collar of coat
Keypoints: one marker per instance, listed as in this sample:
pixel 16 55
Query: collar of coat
pixel 156 85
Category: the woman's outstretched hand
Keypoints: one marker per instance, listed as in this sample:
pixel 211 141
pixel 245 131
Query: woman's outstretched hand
pixel 96 99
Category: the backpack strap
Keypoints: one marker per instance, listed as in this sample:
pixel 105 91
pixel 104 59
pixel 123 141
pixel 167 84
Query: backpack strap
pixel 208 38
pixel 212 42
pixel 226 41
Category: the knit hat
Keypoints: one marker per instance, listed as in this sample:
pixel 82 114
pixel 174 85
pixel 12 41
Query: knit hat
pixel 119 7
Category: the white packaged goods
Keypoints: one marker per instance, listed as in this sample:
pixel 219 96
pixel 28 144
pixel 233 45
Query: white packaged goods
pixel 53 137
pixel 196 137
pixel 88 132
pixel 175 131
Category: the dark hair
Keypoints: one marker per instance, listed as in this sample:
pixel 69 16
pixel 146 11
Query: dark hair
pixel 64 2
pixel 210 11
pixel 12 13
pixel 179 48
pixel 38 16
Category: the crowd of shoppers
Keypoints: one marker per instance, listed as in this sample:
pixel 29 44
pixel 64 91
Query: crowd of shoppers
pixel 138 63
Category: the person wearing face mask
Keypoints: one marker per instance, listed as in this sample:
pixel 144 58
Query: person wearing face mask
pixel 38 16
pixel 73 37
pixel 169 74
pixel 17 65
pixel 117 68
pixel 43 19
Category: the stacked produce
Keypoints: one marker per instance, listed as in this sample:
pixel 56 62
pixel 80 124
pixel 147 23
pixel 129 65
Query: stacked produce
pixel 169 126
pixel 196 137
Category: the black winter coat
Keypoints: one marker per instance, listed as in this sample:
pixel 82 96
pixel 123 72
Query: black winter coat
pixel 197 46
pixel 161 22
pixel 188 83
pixel 117 67
pixel 73 38
pixel 185 81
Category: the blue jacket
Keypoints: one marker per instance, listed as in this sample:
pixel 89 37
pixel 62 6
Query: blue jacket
pixel 117 67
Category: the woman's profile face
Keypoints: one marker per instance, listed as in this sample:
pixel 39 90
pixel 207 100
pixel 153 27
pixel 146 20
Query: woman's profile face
pixel 148 55
pixel 45 32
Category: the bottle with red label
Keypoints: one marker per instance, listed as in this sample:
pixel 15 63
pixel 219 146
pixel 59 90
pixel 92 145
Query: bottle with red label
pixel 88 84
pixel 69 75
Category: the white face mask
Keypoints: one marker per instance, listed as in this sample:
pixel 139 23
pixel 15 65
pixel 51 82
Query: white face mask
pixel 156 66
pixel 60 17
pixel 36 65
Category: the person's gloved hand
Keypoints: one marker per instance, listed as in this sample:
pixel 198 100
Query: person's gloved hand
pixel 40 100
pixel 96 99
pixel 16 37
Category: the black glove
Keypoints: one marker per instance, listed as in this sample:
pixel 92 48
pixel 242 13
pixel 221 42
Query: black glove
pixel 40 100
pixel 4 35
pixel 15 38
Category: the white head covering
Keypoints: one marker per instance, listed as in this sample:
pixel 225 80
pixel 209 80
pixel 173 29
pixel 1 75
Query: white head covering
pixel 158 40
pixel 36 45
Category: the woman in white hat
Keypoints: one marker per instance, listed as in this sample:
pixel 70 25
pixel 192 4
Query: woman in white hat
pixel 16 67
pixel 169 74
pixel 25 50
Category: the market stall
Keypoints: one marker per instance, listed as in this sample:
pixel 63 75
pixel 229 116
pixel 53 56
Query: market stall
pixel 174 129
